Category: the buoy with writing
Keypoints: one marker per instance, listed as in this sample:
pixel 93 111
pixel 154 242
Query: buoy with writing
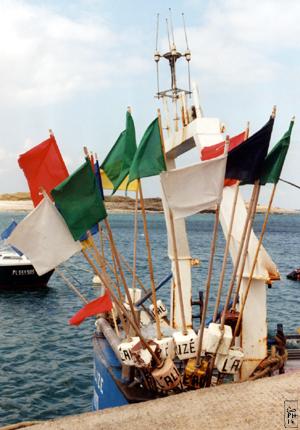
pixel 125 350
pixel 166 347
pixel 186 345
pixel 141 356
pixel 194 376
pixel 167 376
pixel 161 309
pixel 230 363
pixel 216 341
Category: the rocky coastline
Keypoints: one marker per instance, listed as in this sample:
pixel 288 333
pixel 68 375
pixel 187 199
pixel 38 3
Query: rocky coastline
pixel 114 204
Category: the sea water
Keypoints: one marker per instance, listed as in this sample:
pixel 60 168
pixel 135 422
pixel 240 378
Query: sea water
pixel 46 365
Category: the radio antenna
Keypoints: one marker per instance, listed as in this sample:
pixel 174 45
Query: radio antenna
pixel 187 53
pixel 157 28
pixel 168 32
pixel 172 29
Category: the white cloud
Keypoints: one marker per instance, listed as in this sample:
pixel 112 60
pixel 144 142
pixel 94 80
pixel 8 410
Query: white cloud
pixel 46 57
pixel 245 41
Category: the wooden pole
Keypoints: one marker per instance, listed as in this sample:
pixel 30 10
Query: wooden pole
pixel 174 243
pixel 157 320
pixel 135 234
pixel 207 287
pixel 225 256
pixel 245 251
pixel 116 255
pixel 71 286
pixel 106 283
pixel 130 270
pixel 254 263
pixel 238 257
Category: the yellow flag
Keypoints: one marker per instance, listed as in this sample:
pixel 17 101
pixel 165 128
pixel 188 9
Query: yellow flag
pixel 107 184
pixel 86 244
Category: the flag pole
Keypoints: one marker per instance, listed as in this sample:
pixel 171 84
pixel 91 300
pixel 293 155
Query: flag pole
pixel 254 262
pixel 174 242
pixel 241 310
pixel 150 264
pixel 157 320
pixel 115 252
pixel 207 287
pixel 71 286
pixel 130 269
pixel 135 241
pixel 226 251
pixel 245 251
pixel 252 204
pixel 105 280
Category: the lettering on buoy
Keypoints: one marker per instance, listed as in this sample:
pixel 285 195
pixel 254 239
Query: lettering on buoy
pixel 167 377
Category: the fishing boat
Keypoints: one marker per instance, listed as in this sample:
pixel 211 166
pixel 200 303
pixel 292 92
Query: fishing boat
pixel 123 363
pixel 294 275
pixel 150 350
pixel 16 271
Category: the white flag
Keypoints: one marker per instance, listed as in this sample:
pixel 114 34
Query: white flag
pixel 43 236
pixel 195 188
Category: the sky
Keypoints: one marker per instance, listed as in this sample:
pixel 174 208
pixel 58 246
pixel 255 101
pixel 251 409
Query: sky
pixel 75 66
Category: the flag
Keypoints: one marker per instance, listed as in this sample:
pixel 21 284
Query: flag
pixel 108 185
pixel 79 201
pixel 98 178
pixel 118 161
pixel 44 167
pixel 97 306
pixel 194 188
pixel 275 159
pixel 213 151
pixel 149 158
pixel 245 161
pixel 7 232
pixel 44 237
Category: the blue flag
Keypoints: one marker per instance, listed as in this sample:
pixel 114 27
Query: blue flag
pixel 7 232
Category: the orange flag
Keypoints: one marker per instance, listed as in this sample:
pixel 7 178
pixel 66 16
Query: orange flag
pixel 97 306
pixel 44 167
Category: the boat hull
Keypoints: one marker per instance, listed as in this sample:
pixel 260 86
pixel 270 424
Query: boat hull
pixel 110 390
pixel 23 276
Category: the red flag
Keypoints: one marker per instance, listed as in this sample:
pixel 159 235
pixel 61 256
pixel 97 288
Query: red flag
pixel 44 167
pixel 97 306
pixel 213 151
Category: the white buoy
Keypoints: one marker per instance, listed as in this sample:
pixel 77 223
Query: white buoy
pixel 144 318
pixel 161 309
pixel 186 345
pixel 167 376
pixel 135 294
pixel 125 351
pixel 166 347
pixel 141 356
pixel 230 363
pixel 97 280
pixel 213 342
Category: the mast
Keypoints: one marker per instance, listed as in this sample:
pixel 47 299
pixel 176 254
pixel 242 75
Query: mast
pixel 179 257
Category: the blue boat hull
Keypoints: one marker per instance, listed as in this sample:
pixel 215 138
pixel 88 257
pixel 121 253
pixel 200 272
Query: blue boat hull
pixel 110 390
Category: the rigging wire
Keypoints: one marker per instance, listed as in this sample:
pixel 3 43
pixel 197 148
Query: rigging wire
pixel 290 183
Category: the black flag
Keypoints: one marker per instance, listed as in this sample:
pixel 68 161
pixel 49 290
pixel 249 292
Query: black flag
pixel 245 161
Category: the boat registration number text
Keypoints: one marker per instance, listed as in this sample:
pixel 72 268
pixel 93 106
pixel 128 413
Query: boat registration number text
pixel 22 272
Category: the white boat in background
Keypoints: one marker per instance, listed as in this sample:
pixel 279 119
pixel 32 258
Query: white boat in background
pixel 16 271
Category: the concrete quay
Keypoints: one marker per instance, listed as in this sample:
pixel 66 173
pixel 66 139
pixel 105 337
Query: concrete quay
pixel 262 404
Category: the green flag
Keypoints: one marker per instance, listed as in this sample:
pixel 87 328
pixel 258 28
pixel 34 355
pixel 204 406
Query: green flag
pixel 118 161
pixel 149 159
pixel 79 201
pixel 275 159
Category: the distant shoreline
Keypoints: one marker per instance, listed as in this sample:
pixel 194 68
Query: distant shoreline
pixel 114 204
